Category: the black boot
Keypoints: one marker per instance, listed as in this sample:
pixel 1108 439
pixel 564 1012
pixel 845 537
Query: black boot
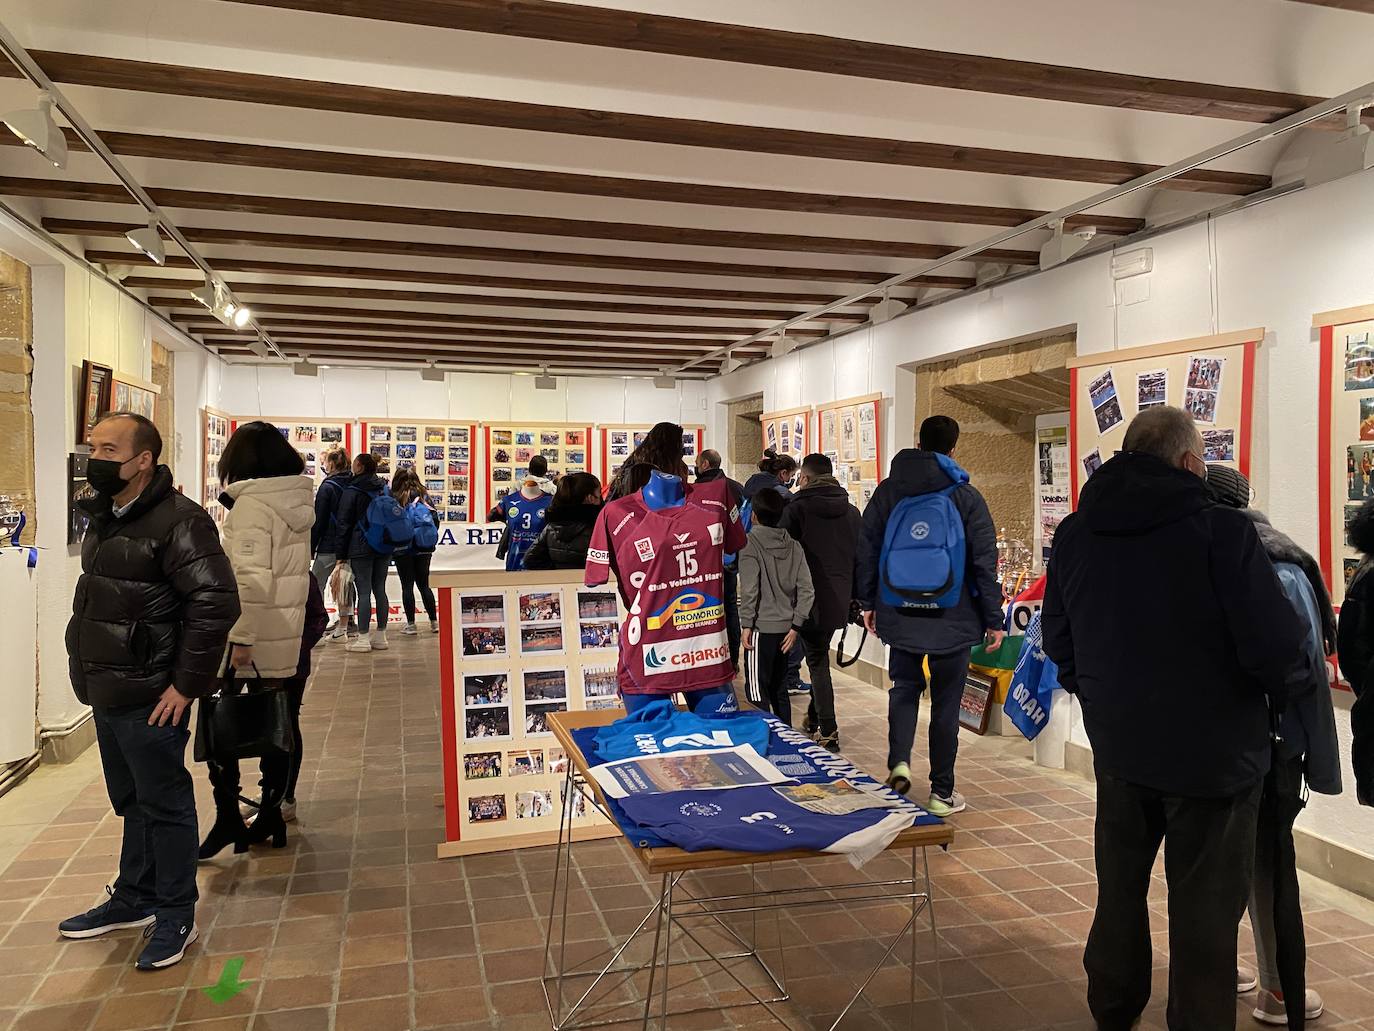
pixel 229 828
pixel 268 824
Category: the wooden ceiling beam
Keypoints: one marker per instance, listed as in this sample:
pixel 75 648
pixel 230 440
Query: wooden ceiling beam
pixel 478 221
pixel 281 91
pixel 778 48
pixel 504 177
pixel 442 320
pixel 463 252
pixel 488 300
pixel 575 286
pixel 497 355
pixel 317 331
pixel 1362 6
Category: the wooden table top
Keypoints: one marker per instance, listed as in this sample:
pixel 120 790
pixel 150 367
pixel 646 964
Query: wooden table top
pixel 675 860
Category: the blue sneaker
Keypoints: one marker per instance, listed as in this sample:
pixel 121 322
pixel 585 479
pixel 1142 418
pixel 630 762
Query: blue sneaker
pixel 167 943
pixel 113 914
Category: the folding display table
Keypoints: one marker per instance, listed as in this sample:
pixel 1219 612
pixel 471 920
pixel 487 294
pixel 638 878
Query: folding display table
pixel 683 913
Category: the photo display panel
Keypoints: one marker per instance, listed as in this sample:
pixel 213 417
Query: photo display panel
pixel 514 648
pixel 441 452
pixel 311 436
pixel 214 434
pixel 1211 377
pixel 618 440
pixel 510 446
pixel 787 432
pixel 850 434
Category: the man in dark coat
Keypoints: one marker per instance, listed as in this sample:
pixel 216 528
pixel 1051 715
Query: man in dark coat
pixel 1168 622
pixel 943 636
pixel 708 469
pixel 828 526
pixel 151 615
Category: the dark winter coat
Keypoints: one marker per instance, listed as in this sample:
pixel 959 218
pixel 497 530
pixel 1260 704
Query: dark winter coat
pixel 762 481
pixel 736 488
pixel 563 542
pixel 1168 621
pixel 979 609
pixel 828 527
pixel 324 535
pixel 1308 726
pixel 353 502
pixel 1356 646
pixel 155 601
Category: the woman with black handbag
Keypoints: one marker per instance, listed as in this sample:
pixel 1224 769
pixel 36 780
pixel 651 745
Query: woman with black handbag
pixel 267 539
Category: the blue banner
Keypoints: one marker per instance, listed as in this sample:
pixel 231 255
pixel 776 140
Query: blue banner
pixel 1032 685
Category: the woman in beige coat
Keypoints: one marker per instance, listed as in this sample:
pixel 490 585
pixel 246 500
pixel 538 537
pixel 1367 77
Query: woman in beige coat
pixel 267 539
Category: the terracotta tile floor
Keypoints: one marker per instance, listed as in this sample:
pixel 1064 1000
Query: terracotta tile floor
pixel 356 925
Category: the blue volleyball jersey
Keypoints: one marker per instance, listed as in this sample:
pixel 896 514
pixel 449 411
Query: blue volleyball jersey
pixel 659 728
pixel 524 520
pixel 774 818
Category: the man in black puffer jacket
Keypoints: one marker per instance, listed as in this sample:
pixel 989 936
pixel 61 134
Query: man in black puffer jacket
pixel 828 527
pixel 152 612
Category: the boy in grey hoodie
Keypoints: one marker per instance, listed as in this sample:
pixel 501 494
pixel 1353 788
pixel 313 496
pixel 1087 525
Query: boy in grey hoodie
pixel 775 598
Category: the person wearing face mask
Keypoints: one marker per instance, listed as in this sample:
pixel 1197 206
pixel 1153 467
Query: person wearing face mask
pixel 150 620
pixel 1167 620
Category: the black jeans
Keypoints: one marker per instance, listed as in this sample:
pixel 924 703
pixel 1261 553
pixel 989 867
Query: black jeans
pixel 369 575
pixel 279 772
pixel 767 677
pixel 1209 859
pixel 732 627
pixel 413 569
pixel 150 787
pixel 822 707
pixel 947 675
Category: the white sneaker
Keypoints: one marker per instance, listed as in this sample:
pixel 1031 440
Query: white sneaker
pixel 409 630
pixel 943 807
pixel 288 811
pixel 358 644
pixel 1271 1009
pixel 1247 979
pixel 340 630
pixel 379 641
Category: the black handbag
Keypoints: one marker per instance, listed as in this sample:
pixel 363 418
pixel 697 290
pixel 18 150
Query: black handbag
pixel 856 618
pixel 239 724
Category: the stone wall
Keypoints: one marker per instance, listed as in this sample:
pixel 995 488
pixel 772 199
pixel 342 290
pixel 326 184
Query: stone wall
pixel 164 375
pixel 16 380
pixel 745 446
pixel 995 396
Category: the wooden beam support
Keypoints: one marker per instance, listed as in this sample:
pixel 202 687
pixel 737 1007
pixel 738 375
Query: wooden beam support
pixel 478 221
pixel 281 91
pixel 487 300
pixel 462 252
pixel 574 286
pixel 497 355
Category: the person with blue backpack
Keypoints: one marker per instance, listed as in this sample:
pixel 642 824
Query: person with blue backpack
pixel 372 524
pixel 926 579
pixel 413 559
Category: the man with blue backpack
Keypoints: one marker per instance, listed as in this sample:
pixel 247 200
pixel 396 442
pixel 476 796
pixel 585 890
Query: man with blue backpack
pixel 372 524
pixel 926 579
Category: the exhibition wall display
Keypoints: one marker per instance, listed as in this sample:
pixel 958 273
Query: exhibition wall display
pixel 619 439
pixel 439 451
pixel 310 436
pixel 849 434
pixel 514 647
pixel 1345 436
pixel 131 394
pixel 788 432
pixel 1211 377
pixel 510 446
pixel 214 434
pixel 1052 481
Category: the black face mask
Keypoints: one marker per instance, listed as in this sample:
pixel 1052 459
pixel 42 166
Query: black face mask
pixel 103 476
pixel 226 499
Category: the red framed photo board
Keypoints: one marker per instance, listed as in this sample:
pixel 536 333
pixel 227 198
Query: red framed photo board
pixel 618 439
pixel 442 452
pixel 1213 377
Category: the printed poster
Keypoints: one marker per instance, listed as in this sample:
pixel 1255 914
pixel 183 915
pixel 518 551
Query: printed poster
pixel 799 433
pixel 868 434
pixel 828 431
pixel 849 441
pixel 704 770
pixel 1106 405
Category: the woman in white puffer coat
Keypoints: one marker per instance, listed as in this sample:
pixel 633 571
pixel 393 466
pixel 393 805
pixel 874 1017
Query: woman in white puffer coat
pixel 267 538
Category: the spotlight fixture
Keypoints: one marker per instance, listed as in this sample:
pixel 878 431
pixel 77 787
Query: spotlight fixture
pixel 240 315
pixel 148 242
pixel 215 297
pixel 305 367
pixel 1061 247
pixel 887 308
pixel 783 345
pixel 730 364
pixel 207 295
pixel 1346 153
pixel 664 381
pixel 36 128
pixel 259 347
pixel 544 381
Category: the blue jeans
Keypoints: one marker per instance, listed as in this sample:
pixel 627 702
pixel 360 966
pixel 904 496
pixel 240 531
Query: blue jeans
pixel 150 787
pixel 369 576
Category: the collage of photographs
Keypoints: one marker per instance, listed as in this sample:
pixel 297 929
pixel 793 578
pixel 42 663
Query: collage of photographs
pixel 621 440
pixel 509 452
pixel 504 721
pixel 786 434
pixel 439 452
pixel 312 439
pixel 214 434
pixel 1359 458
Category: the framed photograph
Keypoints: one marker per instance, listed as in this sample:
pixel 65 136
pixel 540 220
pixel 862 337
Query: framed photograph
pixel 77 490
pixel 134 395
pixel 976 702
pixel 481 765
pixel 96 396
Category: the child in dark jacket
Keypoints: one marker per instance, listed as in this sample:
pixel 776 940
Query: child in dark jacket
pixel 1356 649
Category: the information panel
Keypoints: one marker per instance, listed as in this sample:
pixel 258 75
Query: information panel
pixel 311 436
pixel 439 451
pixel 788 432
pixel 619 439
pixel 214 434
pixel 850 435
pixel 510 446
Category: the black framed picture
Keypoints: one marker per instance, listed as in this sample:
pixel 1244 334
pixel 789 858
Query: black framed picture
pixel 77 490
pixel 976 703
pixel 97 386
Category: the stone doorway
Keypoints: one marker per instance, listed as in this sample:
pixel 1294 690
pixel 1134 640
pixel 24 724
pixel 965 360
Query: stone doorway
pixel 744 447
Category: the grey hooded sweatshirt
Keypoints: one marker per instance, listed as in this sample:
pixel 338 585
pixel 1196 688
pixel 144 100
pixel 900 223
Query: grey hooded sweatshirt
pixel 775 589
